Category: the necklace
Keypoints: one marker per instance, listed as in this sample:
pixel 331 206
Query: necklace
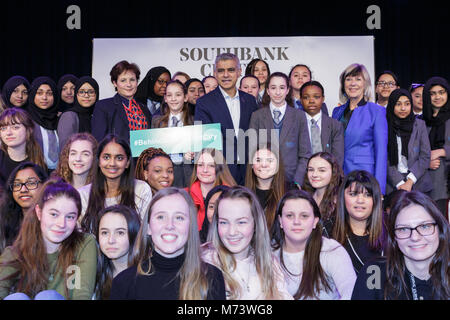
pixel 246 283
pixel 354 251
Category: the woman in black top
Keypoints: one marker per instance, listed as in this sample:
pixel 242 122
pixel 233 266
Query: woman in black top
pixel 359 218
pixel 66 90
pixel 416 265
pixel 167 256
pixel 152 89
pixel 15 92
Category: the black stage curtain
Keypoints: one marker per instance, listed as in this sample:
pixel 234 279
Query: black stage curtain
pixel 412 42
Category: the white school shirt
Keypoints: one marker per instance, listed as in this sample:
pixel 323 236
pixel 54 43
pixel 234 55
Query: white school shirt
pixel 50 164
pixel 282 109
pixel 234 106
pixel 318 119
pixel 402 166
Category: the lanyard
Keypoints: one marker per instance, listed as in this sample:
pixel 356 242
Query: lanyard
pixel 413 286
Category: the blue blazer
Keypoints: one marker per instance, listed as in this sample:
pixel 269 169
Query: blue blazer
pixel 110 117
pixel 212 108
pixel 365 140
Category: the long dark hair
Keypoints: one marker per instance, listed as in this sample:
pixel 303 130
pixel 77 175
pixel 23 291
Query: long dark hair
pixel 395 264
pixel 99 186
pixel 11 214
pixel 266 98
pixel 313 277
pixel 328 204
pixel 362 180
pixel 105 267
pixel 277 187
pixel 29 250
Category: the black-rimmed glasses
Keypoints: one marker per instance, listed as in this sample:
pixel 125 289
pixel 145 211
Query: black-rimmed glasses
pixel 426 229
pixel 30 185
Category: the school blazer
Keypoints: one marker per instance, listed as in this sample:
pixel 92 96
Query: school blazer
pixel 418 161
pixel 110 117
pixel 212 108
pixel 365 141
pixel 293 140
pixel 332 137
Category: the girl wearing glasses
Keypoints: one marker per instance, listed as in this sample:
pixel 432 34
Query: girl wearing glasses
pixel 77 118
pixel 17 142
pixel 15 92
pixel 416 264
pixel 23 186
pixel 385 84
pixel 50 259
pixel 152 89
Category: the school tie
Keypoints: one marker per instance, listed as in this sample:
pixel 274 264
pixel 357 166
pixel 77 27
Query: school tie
pixel 316 143
pixel 52 146
pixel 175 121
pixel 276 116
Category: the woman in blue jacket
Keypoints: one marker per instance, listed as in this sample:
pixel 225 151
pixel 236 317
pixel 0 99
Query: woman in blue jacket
pixel 365 124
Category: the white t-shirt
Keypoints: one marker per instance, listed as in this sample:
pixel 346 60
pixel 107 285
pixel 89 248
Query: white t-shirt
pixel 336 264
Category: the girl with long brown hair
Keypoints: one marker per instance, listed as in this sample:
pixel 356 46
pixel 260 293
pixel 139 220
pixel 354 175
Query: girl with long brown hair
pixel 323 178
pixel 359 225
pixel 416 264
pixel 210 170
pixel 116 234
pixel 77 163
pixel 240 247
pixel 265 177
pixel 113 183
pixel 314 267
pixel 167 263
pixel 17 142
pixel 50 252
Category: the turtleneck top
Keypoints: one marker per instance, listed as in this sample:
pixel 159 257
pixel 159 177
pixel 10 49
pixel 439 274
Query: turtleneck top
pixel 163 283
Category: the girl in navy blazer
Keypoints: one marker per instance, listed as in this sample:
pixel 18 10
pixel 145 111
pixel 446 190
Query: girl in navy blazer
pixel 365 125
pixel 408 146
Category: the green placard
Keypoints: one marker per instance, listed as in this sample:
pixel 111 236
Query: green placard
pixel 177 139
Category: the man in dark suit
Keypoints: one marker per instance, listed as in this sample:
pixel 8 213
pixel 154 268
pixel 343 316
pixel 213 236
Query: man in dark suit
pixel 231 108
pixel 325 134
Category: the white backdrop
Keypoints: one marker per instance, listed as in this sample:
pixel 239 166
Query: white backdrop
pixel 326 56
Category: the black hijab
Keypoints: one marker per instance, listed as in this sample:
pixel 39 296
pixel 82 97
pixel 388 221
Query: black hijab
pixel 46 118
pixel 437 124
pixel 146 90
pixel 9 86
pixel 64 106
pixel 84 114
pixel 398 127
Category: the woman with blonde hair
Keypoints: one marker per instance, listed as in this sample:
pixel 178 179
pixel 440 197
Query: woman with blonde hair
pixel 240 247
pixel 17 142
pixel 167 263
pixel 365 125
pixel 77 163
pixel 210 170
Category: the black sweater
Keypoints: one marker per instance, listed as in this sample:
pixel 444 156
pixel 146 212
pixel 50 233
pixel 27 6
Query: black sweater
pixel 163 284
pixel 366 287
